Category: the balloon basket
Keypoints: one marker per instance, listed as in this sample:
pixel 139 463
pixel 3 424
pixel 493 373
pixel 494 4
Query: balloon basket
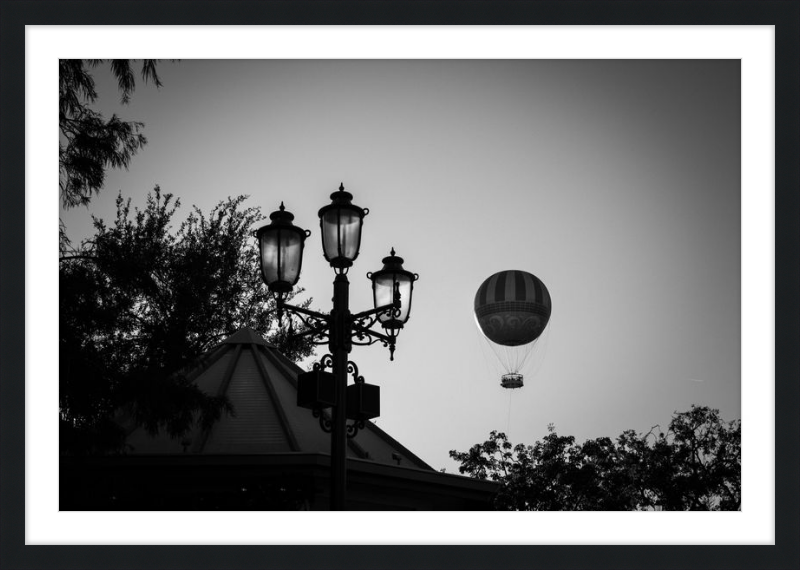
pixel 511 381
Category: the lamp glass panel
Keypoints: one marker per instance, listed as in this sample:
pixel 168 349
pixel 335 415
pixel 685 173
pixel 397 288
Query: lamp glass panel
pixel 291 255
pixel 341 231
pixel 269 256
pixel 384 295
pixel 281 253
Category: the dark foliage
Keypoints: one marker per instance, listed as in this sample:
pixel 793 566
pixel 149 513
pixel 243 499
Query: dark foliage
pixel 694 465
pixel 140 301
pixel 89 143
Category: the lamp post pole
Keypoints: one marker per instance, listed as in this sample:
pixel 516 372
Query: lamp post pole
pixel 340 347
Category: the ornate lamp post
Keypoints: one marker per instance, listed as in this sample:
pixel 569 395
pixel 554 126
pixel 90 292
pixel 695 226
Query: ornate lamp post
pixel 281 250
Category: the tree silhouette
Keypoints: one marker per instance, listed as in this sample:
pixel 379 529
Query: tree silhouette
pixel 140 302
pixel 694 465
pixel 90 144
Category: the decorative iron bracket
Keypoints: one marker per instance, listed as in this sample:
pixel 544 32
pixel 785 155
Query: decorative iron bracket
pixel 353 428
pixel 362 323
pixel 325 421
pixel 325 362
pixel 364 336
pixel 318 324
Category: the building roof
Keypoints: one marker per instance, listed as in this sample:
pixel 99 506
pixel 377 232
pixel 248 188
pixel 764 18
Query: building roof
pixel 261 385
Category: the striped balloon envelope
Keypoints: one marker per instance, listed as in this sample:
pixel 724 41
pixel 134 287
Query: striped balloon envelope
pixel 512 309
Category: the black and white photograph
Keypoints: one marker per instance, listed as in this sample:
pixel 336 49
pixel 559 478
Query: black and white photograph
pixel 385 285
pixel 428 285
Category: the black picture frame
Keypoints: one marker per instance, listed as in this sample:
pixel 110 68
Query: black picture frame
pixel 784 15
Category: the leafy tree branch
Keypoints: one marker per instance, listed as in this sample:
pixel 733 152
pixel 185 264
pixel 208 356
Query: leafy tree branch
pixel 694 465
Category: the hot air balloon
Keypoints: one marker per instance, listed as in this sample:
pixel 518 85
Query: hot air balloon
pixel 512 309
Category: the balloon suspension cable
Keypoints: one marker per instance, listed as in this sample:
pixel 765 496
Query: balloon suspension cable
pixel 508 419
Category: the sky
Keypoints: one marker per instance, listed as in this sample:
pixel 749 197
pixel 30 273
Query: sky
pixel 617 183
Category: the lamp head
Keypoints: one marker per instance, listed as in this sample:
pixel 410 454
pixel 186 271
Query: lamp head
pixel 281 251
pixel 340 224
pixel 389 283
